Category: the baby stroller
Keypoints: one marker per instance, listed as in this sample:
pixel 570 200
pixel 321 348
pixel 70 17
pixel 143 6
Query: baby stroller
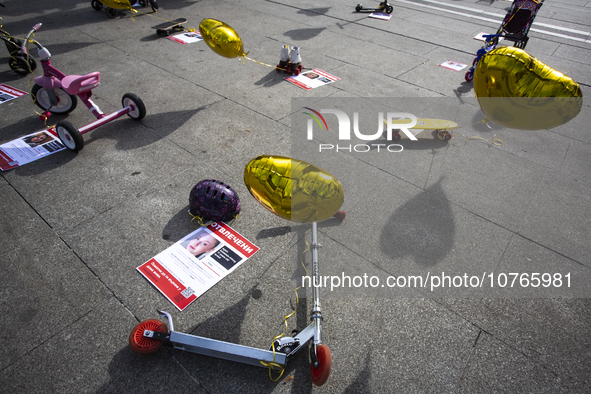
pixel 515 27
pixel 20 62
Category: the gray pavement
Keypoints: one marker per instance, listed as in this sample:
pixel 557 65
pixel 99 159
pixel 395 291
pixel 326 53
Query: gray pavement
pixel 75 226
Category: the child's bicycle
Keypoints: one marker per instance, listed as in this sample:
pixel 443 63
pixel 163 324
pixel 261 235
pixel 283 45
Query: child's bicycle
pixel 20 62
pixel 58 93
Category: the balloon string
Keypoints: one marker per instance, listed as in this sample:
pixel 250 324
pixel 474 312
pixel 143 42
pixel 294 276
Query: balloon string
pixel 199 220
pixel 273 365
pixel 264 64
pixel 496 140
pixel 256 61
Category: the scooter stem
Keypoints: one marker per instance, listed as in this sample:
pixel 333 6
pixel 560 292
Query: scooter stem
pixel 316 310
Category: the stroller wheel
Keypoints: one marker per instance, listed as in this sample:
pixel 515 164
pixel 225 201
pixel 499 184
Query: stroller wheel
pixel 97 5
pixel 469 76
pixel 111 12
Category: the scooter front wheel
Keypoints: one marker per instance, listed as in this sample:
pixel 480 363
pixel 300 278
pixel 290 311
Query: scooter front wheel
pixel 144 345
pixel 69 135
pixel 321 371
pixel 138 112
pixel 66 103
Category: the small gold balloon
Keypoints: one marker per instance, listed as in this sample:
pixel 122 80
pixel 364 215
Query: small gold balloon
pixel 516 90
pixel 221 38
pixel 118 4
pixel 293 189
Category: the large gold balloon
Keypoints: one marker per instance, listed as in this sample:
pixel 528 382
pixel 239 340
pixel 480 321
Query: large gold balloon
pixel 293 189
pixel 221 38
pixel 516 90
pixel 118 4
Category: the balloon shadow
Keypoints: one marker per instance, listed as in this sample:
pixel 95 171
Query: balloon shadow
pixel 361 383
pixel 178 226
pixel 423 229
pixel 303 34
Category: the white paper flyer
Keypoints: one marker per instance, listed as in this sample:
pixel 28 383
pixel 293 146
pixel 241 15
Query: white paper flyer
pixel 312 79
pixel 8 93
pixel 450 64
pixel 193 265
pixel 380 15
pixel 186 38
pixel 29 148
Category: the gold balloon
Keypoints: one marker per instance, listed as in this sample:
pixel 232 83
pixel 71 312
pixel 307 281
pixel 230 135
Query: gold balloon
pixel 293 189
pixel 118 4
pixel 516 90
pixel 221 38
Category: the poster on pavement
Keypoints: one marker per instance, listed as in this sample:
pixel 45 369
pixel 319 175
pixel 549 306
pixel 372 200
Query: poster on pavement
pixel 193 265
pixel 29 148
pixel 8 93
pixel 312 79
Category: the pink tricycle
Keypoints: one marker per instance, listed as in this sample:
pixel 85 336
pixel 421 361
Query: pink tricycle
pixel 57 93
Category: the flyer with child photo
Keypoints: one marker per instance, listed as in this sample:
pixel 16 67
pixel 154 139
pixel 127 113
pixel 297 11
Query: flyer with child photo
pixel 193 265
pixel 29 148
pixel 312 79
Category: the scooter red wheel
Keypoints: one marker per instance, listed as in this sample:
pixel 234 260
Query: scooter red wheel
pixel 340 215
pixel 144 345
pixel 320 373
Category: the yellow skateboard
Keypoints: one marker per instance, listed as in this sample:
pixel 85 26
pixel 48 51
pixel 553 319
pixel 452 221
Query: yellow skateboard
pixel 441 126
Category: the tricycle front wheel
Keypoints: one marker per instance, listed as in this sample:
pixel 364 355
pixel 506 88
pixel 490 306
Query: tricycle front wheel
pixel 138 110
pixel 69 135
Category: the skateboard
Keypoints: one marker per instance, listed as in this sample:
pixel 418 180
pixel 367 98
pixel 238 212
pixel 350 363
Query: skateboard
pixel 441 126
pixel 165 28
